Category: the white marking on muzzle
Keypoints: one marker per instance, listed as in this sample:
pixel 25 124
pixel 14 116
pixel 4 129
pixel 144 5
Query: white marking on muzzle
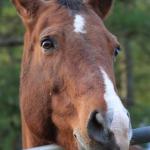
pixel 79 24
pixel 117 115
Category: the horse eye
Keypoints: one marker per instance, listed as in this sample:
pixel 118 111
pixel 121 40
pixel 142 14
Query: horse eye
pixel 48 44
pixel 117 50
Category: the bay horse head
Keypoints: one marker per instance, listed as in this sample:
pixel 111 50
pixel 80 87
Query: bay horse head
pixel 67 92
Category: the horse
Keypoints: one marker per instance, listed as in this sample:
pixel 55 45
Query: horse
pixel 68 94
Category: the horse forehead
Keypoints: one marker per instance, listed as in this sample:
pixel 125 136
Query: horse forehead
pixel 79 24
pixel 64 17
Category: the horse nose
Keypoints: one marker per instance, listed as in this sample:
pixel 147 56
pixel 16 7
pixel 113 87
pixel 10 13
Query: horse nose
pixel 98 130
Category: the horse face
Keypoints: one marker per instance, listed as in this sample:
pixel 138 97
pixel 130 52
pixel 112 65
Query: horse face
pixel 68 93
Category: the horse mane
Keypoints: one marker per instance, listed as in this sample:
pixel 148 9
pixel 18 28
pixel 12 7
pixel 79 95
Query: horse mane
pixel 72 4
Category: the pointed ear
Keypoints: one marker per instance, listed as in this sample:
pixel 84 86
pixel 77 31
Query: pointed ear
pixel 101 7
pixel 28 9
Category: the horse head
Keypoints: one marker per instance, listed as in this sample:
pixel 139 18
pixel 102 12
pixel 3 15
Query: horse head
pixel 67 93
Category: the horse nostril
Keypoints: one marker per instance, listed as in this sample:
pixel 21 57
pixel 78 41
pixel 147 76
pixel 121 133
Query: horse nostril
pixel 99 119
pixel 97 129
pixel 75 136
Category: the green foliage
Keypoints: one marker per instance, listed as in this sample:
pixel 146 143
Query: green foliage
pixel 9 81
pixel 10 59
pixel 130 21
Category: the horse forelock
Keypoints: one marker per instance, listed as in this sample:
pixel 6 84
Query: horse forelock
pixel 71 4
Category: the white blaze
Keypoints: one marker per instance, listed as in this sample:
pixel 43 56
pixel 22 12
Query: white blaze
pixel 79 24
pixel 117 117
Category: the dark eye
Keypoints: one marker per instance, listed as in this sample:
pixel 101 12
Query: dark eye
pixel 48 44
pixel 117 50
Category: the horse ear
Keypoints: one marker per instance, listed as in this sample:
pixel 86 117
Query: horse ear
pixel 27 9
pixel 101 7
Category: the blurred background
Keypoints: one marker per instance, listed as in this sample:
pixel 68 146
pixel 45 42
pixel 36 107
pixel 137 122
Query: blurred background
pixel 129 20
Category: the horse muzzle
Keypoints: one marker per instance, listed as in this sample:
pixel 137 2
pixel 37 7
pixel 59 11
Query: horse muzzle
pixel 100 136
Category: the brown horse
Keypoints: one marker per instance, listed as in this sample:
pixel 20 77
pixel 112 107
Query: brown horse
pixel 67 92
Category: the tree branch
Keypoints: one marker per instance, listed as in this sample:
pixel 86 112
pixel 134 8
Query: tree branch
pixel 11 42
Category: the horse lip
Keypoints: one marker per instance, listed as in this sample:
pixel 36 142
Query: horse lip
pixel 90 144
pixel 80 141
pixel 81 144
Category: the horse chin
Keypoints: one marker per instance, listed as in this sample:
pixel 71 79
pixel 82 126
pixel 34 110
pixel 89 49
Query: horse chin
pixel 93 146
pixel 85 143
pixel 83 146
